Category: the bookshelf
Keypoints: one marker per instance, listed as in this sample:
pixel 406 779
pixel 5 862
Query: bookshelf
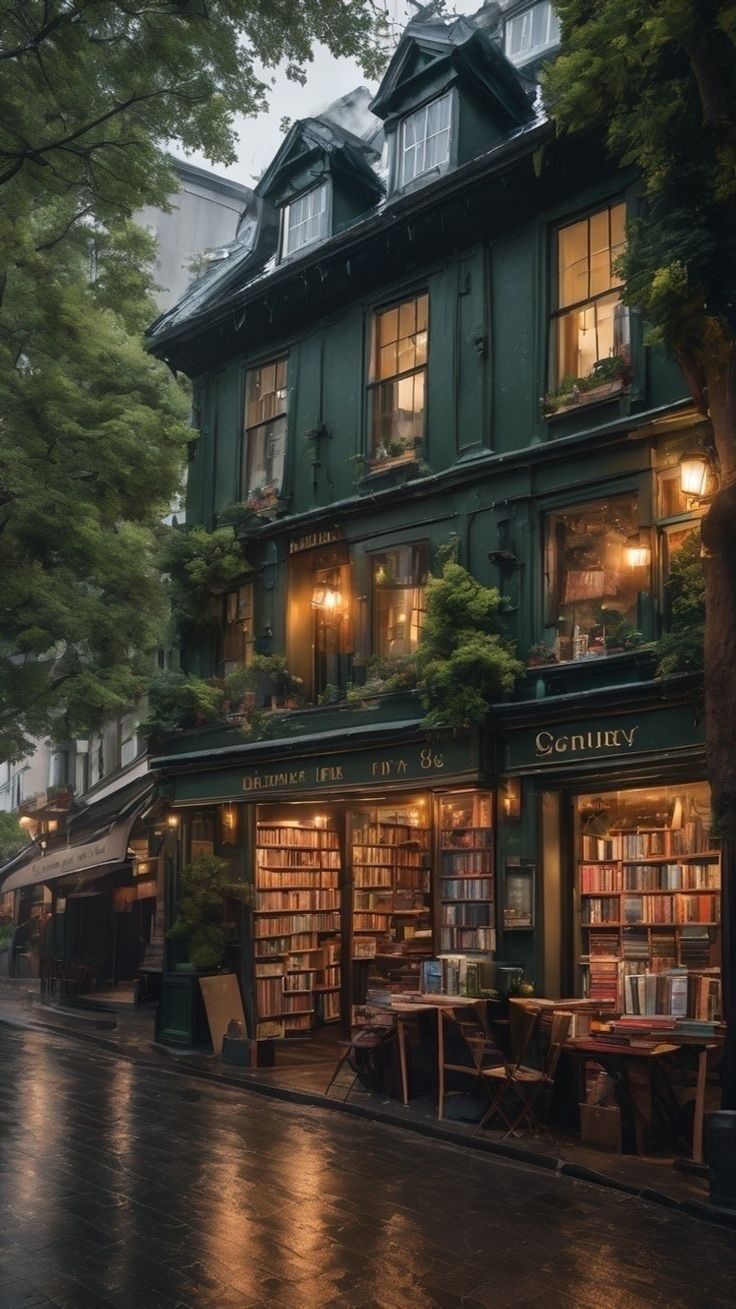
pixel 391 883
pixel 466 873
pixel 297 924
pixel 650 908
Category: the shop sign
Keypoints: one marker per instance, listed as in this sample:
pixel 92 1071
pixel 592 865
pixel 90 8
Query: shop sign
pixel 616 737
pixel 419 762
pixel 72 859
pixel 313 540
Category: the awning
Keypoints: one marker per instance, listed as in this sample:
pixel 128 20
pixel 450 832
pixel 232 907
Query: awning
pixel 104 850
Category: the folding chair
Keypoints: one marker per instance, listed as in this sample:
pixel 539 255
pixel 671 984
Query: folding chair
pixel 361 1049
pixel 528 1083
pixel 464 1030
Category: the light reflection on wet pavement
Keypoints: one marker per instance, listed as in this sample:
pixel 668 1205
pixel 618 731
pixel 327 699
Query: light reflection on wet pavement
pixel 131 1187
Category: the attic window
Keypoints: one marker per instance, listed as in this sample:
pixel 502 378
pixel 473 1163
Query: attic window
pixel 529 33
pixel 425 139
pixel 305 219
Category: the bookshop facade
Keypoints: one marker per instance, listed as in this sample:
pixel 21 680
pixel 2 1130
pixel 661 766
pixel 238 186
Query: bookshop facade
pixel 614 829
pixel 366 863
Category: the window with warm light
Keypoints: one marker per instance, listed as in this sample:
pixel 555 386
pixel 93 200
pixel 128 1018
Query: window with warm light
pixel 398 380
pixel 597 561
pixel 530 33
pixel 238 637
pixel 590 327
pixel 264 439
pixel 399 586
pixel 424 139
pixel 305 219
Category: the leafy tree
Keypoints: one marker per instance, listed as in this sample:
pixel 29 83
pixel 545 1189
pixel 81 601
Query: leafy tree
pixel 204 919
pixel 91 91
pixel 680 649
pixel 659 77
pixel 177 700
pixel 464 660
pixel 200 564
pixel 12 837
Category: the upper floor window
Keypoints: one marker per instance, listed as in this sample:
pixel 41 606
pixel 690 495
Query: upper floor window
pixel 399 584
pixel 529 33
pixel 590 324
pixel 596 564
pixel 398 378
pixel 264 439
pixel 425 139
pixel 305 219
pixel 238 632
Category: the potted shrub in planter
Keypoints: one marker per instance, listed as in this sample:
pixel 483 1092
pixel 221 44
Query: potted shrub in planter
pixel 203 925
pixel 608 378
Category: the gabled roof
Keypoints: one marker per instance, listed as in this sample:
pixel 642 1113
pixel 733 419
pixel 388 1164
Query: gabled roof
pixel 427 48
pixel 320 136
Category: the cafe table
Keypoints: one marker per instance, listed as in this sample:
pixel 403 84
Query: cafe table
pixel 404 1011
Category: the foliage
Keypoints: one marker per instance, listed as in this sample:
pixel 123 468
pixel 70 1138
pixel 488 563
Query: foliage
pixel 660 80
pixel 177 700
pixel 91 93
pixel 464 660
pixel 384 674
pixel 199 564
pixel 680 650
pixel 7 932
pixel 620 633
pixel 12 837
pixel 206 896
pixel 542 653
pixel 613 369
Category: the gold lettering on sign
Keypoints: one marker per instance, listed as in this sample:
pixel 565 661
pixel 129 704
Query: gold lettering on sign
pixel 546 744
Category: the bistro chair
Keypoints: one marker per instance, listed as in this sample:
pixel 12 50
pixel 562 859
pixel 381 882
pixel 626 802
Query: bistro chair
pixel 527 1084
pixel 463 1047
pixel 360 1053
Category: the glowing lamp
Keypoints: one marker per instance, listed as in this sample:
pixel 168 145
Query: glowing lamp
pixel 696 473
pixel 326 597
pixel 638 552
pixel 172 820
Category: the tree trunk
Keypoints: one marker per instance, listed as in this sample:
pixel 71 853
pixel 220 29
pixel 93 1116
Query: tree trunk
pixel 719 545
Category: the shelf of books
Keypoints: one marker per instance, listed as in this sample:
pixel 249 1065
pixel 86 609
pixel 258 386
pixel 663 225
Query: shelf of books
pixel 649 896
pixel 467 910
pixel 297 924
pixel 391 887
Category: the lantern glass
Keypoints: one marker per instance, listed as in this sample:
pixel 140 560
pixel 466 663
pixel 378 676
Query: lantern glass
pixel 638 553
pixel 694 473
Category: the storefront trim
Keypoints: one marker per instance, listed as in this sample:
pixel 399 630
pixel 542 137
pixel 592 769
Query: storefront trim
pixel 613 738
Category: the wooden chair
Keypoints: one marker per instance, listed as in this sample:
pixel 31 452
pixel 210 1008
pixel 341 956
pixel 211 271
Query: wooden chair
pixel 463 1030
pixel 361 1049
pixel 527 1084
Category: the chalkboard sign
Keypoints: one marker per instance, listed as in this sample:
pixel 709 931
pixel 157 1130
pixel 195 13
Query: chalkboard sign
pixel 518 898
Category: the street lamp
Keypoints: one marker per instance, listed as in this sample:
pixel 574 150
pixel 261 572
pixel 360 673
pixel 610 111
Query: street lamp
pixel 698 473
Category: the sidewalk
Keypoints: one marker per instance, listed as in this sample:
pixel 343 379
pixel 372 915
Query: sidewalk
pixel 301 1074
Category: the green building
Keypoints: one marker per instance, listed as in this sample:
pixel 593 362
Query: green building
pixel 420 339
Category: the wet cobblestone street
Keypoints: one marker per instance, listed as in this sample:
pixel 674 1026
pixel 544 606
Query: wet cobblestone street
pixel 125 1186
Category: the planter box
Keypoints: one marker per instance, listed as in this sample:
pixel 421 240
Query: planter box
pixel 606 391
pixel 180 1017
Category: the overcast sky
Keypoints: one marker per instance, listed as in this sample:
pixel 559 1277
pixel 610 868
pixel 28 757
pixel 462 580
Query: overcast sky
pixel 327 79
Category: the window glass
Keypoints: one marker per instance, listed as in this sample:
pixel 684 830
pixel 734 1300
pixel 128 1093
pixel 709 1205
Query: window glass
pixel 305 219
pixel 529 33
pixel 425 139
pixel 593 576
pixel 591 324
pixel 264 440
pixel 398 373
pixel 239 633
pixel 399 583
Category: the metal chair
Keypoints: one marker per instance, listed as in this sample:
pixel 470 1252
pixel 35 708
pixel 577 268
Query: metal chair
pixel 463 1030
pixel 526 1083
pixel 361 1049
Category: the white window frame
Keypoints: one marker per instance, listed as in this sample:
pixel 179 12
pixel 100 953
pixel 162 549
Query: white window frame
pixel 527 51
pixel 320 191
pixel 421 143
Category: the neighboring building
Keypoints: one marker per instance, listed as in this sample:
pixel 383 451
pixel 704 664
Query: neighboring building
pixel 367 380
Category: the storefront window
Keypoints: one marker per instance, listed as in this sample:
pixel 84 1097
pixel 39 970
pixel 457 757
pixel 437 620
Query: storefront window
pixel 596 564
pixel 399 584
pixel 649 881
pixel 391 904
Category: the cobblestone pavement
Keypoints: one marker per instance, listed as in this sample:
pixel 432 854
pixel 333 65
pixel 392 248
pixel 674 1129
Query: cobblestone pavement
pixel 130 1187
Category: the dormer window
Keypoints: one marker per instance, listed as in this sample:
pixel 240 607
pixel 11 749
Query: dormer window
pixel 424 139
pixel 305 220
pixel 532 32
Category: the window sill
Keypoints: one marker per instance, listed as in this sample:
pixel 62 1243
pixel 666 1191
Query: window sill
pixel 587 399
pixel 390 470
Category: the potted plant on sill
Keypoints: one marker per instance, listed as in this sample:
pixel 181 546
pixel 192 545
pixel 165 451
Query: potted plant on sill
pixel 540 654
pixel 266 501
pixel 608 377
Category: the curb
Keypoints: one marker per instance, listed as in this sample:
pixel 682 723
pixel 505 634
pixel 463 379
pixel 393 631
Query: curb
pixel 700 1210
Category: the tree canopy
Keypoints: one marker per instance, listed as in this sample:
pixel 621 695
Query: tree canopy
pixel 93 429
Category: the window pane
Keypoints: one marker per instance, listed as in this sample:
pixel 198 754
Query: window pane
pixel 600 254
pixel 399 581
pixel 388 361
pixel 397 419
pixel 388 326
pixel 422 302
pixel 529 33
pixel 590 588
pixel 305 219
pixel 425 139
pixel 618 238
pixel 407 318
pixel 573 263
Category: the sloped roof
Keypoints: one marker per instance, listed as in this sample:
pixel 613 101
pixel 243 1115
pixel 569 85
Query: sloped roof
pixel 320 136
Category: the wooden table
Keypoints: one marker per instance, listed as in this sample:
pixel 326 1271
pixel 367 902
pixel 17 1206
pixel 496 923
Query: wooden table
pixel 404 1010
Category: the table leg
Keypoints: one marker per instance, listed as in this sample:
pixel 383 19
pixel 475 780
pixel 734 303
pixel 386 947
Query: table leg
pixel 700 1107
pixel 401 1036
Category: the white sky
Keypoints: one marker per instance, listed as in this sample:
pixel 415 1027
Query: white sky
pixel 327 79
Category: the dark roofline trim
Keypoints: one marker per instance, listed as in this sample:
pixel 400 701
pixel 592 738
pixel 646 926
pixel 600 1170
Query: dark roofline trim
pixel 503 156
pixel 215 181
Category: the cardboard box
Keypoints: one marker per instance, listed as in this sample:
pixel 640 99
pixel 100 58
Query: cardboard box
pixel 600 1127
